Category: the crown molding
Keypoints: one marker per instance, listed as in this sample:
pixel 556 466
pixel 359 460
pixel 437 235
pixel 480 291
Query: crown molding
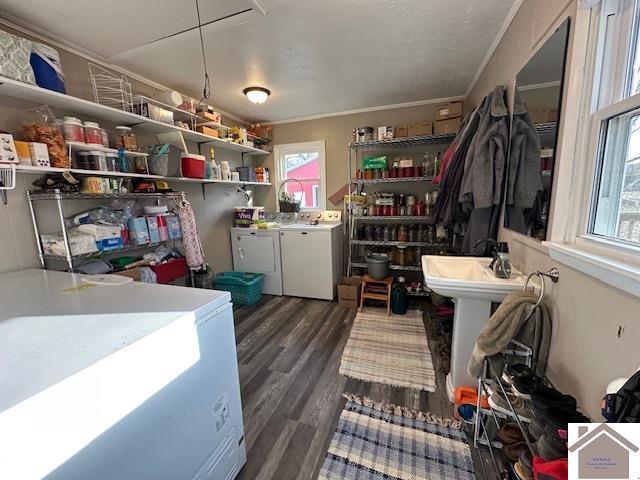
pixel 494 45
pixel 417 103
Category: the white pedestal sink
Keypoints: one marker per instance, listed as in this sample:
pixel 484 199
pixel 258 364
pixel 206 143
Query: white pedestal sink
pixel 473 286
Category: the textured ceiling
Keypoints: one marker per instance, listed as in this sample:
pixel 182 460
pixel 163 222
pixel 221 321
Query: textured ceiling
pixel 316 56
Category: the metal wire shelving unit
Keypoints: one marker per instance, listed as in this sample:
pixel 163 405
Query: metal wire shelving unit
pixel 357 185
pixel 59 197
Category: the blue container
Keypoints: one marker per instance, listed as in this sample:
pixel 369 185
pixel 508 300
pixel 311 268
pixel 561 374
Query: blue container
pixel 245 288
pixel 45 62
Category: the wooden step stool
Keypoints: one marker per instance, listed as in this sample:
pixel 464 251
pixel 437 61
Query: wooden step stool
pixel 374 289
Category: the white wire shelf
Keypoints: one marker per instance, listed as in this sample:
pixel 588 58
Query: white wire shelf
pixel 404 142
pixel 54 195
pixel 80 106
pixel 28 169
pixel 116 251
pixel 85 147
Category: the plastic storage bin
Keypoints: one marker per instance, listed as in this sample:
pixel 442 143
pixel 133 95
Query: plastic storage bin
pixel 245 288
pixel 170 271
pixel 47 68
pixel 192 165
pixel 164 160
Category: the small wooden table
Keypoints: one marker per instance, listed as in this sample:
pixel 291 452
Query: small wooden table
pixel 376 289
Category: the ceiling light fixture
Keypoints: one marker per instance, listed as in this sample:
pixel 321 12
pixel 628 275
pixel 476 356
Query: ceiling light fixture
pixel 257 95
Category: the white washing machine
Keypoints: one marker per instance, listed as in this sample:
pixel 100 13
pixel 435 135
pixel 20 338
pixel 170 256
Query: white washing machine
pixel 256 250
pixel 312 254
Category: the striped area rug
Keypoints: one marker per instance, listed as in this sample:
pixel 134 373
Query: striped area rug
pixel 389 349
pixel 372 445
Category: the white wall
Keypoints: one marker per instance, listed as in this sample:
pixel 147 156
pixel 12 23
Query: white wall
pixel 586 351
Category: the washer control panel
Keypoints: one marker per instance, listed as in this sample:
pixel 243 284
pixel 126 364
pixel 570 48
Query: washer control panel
pixel 321 216
pixel 283 218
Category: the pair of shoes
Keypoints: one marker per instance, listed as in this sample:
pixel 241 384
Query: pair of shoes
pixel 524 466
pixel 512 440
pixel 521 379
pixel 553 412
pixel 498 402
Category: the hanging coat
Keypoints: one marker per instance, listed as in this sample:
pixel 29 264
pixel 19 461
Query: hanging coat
pixel 483 179
pixel 524 181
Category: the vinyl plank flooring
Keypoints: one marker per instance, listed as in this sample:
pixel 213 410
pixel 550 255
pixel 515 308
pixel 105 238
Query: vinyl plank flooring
pixel 289 352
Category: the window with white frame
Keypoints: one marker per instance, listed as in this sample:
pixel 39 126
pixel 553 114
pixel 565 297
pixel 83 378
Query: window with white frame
pixel 596 224
pixel 614 213
pixel 300 173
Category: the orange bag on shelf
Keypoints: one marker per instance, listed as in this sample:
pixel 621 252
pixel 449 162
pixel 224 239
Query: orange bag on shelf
pixel 40 126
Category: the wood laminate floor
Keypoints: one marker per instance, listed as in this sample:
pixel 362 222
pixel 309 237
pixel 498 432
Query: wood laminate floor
pixel 289 351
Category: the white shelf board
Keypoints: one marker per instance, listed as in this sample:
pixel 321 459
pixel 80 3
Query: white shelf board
pixel 85 147
pixel 80 106
pixel 28 169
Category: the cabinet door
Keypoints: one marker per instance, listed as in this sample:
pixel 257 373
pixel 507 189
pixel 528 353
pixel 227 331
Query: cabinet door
pixel 307 264
pixel 254 253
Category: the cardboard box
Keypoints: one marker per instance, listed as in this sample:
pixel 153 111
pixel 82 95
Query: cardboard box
pixel 39 154
pixel 450 125
pixel 214 117
pixel 24 154
pixel 386 133
pixel 131 273
pixel 349 292
pixel 538 114
pixel 402 132
pixel 449 110
pixel 420 128
pixel 212 132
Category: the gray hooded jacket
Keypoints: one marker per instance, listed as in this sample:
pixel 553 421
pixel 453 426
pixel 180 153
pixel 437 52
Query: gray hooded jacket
pixel 523 179
pixel 486 158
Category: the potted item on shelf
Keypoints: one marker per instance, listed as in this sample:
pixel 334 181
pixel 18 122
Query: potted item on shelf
pixel 377 265
pixel 288 201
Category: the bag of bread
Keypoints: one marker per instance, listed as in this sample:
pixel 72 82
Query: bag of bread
pixel 40 126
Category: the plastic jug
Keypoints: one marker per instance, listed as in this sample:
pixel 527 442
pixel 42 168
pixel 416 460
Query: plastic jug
pixel 399 297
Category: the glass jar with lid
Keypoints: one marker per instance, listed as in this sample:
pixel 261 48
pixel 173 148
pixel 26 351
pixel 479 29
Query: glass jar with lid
pixel 386 233
pixel 125 138
pixel 402 233
pixel 402 255
pixel 92 133
pixel 113 165
pixel 73 130
pixel 378 234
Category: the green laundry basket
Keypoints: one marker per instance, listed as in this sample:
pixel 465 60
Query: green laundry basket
pixel 245 288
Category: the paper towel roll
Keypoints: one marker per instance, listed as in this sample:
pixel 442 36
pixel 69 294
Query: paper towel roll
pixel 170 97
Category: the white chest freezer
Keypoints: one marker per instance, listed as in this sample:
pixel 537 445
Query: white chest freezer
pixel 132 381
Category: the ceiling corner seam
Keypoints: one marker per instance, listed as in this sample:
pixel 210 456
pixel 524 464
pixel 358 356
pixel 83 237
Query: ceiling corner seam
pixel 71 47
pixel 494 45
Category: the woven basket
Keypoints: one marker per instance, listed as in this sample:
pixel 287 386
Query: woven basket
pixel 289 207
